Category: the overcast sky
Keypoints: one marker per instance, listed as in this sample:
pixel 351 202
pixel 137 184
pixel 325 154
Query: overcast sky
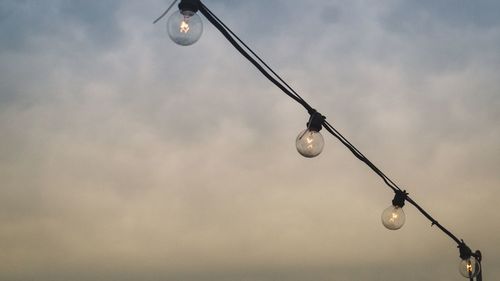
pixel 126 157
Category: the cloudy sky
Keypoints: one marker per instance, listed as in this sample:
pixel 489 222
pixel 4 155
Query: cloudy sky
pixel 126 157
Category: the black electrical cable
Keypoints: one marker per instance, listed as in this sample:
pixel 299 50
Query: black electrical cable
pixel 288 90
pixel 165 12
pixel 433 221
pixel 228 34
pixel 345 141
pixel 252 52
pixel 233 42
pixel 360 156
pixel 387 180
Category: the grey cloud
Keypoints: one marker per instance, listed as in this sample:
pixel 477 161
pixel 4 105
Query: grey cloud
pixel 125 157
pixel 407 16
pixel 38 26
pixel 443 36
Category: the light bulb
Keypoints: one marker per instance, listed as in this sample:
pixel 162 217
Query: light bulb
pixel 470 267
pixel 184 27
pixel 309 143
pixel 393 217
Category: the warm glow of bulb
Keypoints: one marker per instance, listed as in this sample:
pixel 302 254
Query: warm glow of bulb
pixel 393 217
pixel 309 143
pixel 184 28
pixel 469 268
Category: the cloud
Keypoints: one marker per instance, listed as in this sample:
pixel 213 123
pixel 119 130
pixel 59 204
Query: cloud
pixel 125 157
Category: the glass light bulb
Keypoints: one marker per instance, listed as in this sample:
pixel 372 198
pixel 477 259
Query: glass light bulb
pixel 393 217
pixel 309 143
pixel 184 27
pixel 469 268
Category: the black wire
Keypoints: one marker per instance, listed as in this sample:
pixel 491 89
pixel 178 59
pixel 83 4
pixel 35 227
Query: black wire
pixel 360 156
pixel 226 34
pixel 232 38
pixel 386 179
pixel 165 13
pixel 252 52
pixel 433 221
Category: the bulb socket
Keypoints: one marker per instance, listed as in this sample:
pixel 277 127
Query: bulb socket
pixel 465 251
pixel 399 198
pixel 189 5
pixel 316 121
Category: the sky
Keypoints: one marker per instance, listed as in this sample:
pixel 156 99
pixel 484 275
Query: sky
pixel 126 157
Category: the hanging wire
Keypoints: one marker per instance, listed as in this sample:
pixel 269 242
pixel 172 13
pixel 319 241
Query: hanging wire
pixel 242 51
pixel 166 12
pixel 288 90
pixel 253 53
pixel 272 76
pixel 360 156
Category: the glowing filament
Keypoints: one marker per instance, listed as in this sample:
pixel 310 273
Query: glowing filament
pixel 469 267
pixel 184 28
pixel 394 217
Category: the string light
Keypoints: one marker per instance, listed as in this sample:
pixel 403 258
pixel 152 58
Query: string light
pixel 394 217
pixel 185 28
pixel 310 142
pixel 470 264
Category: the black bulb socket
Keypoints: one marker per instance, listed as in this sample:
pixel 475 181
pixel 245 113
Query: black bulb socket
pixel 465 251
pixel 189 5
pixel 316 121
pixel 399 198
